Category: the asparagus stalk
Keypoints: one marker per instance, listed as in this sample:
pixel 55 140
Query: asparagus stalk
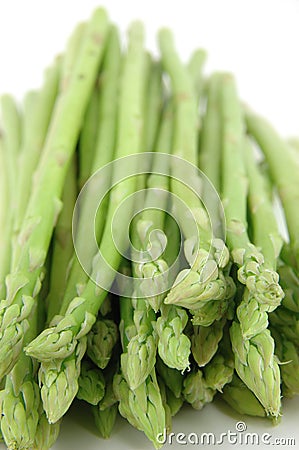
pixel 288 356
pixel 283 169
pixel 21 398
pixel 35 133
pixel 63 246
pixel 172 378
pixel 142 407
pixel 195 68
pixel 252 343
pixel 60 341
pixel 205 280
pixel 205 341
pixel 139 357
pixel 88 138
pixel 10 143
pixel 23 283
pixel 108 102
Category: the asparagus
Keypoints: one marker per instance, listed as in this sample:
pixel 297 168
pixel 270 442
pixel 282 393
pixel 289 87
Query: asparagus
pixel 88 137
pixel 252 343
pixel 101 340
pixel 142 407
pixel 288 356
pixel 23 283
pixel 105 419
pixel 35 133
pixel 91 383
pixel 205 280
pixel 195 68
pixel 241 399
pixel 10 143
pixel 283 169
pixel 139 358
pixel 196 391
pixel 46 433
pixel 172 378
pixel 205 341
pixel 63 246
pixel 59 342
pixel 21 399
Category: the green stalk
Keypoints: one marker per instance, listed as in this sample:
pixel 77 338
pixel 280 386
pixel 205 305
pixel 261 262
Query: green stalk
pixel 108 103
pixel 23 283
pixel 34 138
pixel 10 143
pixel 101 341
pixel 105 419
pixel 82 311
pixel 195 68
pixel 88 138
pixel 4 201
pixel 252 343
pixel 63 248
pixel 266 235
pixel 205 341
pixel 206 256
pixel 283 170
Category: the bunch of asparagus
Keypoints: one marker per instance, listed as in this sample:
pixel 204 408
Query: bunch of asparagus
pixel 223 320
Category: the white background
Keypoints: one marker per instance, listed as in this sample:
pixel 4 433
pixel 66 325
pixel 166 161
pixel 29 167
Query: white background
pixel 256 39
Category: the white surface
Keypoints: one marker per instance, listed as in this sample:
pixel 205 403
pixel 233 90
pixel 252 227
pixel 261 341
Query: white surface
pixel 257 40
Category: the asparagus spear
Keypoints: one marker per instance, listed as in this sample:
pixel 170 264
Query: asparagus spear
pixel 10 143
pixel 241 399
pixel 204 281
pixel 205 341
pixel 32 145
pixel 142 407
pixel 88 138
pixel 283 169
pixel 105 419
pixel 101 340
pixel 252 343
pixel 23 283
pixel 288 356
pixel 172 378
pixel 63 246
pixel 80 315
pixel 139 358
pixel 91 383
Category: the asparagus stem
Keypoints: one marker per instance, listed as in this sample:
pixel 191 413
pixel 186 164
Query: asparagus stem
pixel 252 343
pixel 11 140
pixel 23 283
pixel 108 102
pixel 283 169
pixel 205 341
pixel 35 132
pixel 63 246
pixel 101 341
pixel 195 68
pixel 80 315
pixel 105 419
pixel 265 229
pixel 88 138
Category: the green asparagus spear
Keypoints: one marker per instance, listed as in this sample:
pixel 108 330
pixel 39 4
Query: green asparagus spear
pixel 105 419
pixel 283 169
pixel 63 246
pixel 101 340
pixel 252 343
pixel 80 315
pixel 241 399
pixel 91 383
pixel 23 283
